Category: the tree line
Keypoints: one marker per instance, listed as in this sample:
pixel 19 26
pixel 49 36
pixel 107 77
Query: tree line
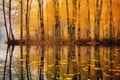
pixel 78 25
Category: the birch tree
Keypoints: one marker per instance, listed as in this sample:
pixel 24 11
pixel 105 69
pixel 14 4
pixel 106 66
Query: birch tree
pixel 5 20
pixel 10 21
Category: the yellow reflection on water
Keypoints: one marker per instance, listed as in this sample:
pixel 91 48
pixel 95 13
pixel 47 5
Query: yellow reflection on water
pixel 69 63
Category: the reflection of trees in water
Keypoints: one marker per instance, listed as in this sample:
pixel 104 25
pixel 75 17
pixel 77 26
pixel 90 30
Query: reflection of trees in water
pixel 71 65
pixel 59 62
pixel 27 62
pixel 21 63
pixel 98 66
pixel 8 67
pixel 41 66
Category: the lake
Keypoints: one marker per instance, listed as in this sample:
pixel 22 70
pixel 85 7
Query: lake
pixel 59 62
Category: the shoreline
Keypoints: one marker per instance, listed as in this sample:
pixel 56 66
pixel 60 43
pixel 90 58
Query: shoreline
pixel 106 42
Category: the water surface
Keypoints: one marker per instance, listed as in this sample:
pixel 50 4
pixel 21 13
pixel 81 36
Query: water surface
pixel 59 63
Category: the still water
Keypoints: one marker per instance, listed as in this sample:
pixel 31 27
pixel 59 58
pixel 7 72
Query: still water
pixel 59 63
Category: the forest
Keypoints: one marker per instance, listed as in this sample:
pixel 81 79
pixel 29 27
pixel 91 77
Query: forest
pixel 60 39
pixel 76 21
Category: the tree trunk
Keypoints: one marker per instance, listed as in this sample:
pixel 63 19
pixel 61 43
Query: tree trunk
pixel 79 1
pixel 57 21
pixel 67 12
pixel 118 34
pixel 41 14
pixel 21 20
pixel 10 23
pixel 111 22
pixel 27 21
pixel 74 19
pixel 98 19
pixel 5 22
pixel 118 29
pixel 88 29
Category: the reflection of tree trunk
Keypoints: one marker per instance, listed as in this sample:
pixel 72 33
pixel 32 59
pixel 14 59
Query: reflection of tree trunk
pixel 79 63
pixel 41 67
pixel 68 62
pixel 98 64
pixel 9 49
pixel 27 62
pixel 21 57
pixel 57 21
pixel 112 50
pixel 89 61
pixel 74 64
pixel 10 63
pixel 98 19
pixel 88 26
pixel 71 56
pixel 6 62
pixel 5 22
pixel 57 65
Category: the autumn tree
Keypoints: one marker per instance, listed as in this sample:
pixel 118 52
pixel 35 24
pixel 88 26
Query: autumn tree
pixel 78 10
pixel 99 4
pixel 88 21
pixel 111 27
pixel 21 19
pixel 41 17
pixel 57 19
pixel 74 2
pixel 27 19
pixel 118 34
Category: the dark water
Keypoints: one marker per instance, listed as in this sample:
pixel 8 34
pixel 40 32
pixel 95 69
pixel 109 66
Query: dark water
pixel 59 63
